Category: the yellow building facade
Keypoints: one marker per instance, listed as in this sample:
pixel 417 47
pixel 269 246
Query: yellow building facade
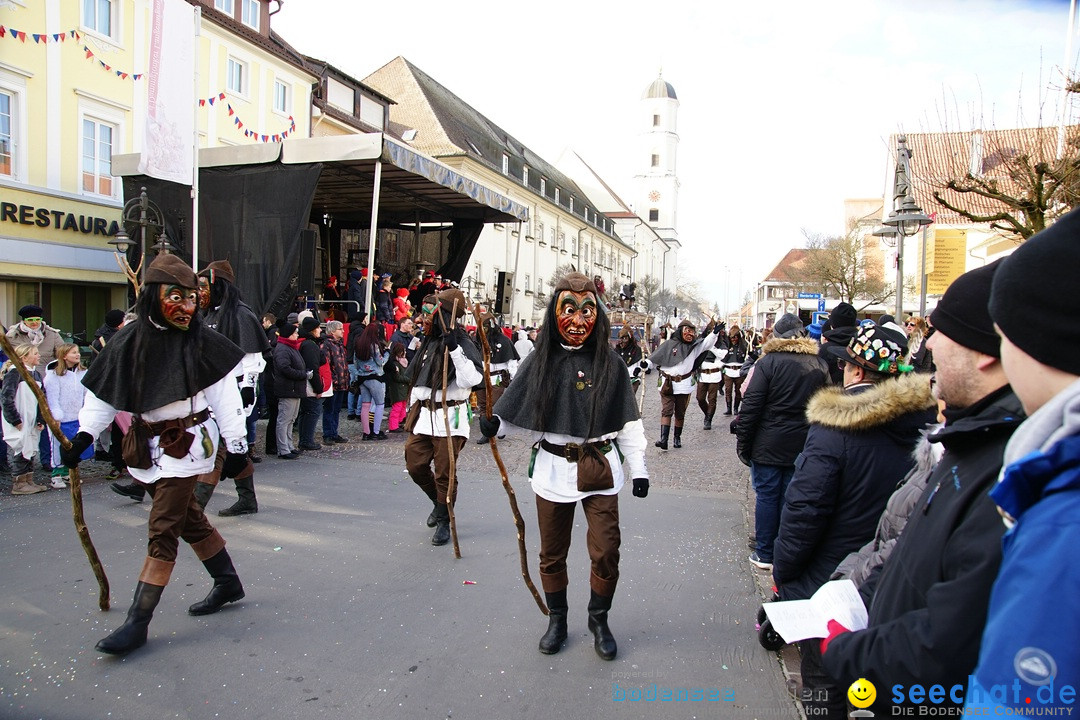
pixel 72 95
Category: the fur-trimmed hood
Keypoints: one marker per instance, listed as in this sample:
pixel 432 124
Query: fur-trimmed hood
pixel 872 407
pixel 799 346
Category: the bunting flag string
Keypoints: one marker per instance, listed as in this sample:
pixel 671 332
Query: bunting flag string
pixel 38 38
pixel 45 38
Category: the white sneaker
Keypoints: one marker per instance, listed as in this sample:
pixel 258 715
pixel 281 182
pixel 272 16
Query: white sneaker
pixel 58 483
pixel 758 562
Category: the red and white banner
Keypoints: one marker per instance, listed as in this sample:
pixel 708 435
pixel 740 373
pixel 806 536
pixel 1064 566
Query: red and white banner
pixel 167 148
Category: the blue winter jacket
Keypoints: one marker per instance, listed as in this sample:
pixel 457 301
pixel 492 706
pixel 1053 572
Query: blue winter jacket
pixel 1031 645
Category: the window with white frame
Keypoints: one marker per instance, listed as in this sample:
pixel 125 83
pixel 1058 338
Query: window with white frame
pixel 655 160
pixel 99 16
pixel 9 128
pixel 98 139
pixel 656 121
pixel 506 164
pixel 573 246
pixel 525 175
pixel 282 101
pixel 562 241
pixel 249 13
pixel 540 231
pixel 543 186
pixel 236 76
pixel 540 286
pixel 556 196
pixel 527 287
pixel 554 247
pixel 225 6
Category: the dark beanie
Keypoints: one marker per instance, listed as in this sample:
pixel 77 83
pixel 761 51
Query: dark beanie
pixel 29 311
pixel 1027 303
pixel 308 324
pixel 287 330
pixel 843 315
pixel 114 318
pixel 963 313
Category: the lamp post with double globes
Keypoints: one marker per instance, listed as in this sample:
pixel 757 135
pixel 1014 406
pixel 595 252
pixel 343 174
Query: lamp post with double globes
pixel 145 216
pixel 905 220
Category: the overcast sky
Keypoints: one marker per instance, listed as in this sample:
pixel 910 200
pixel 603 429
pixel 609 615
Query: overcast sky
pixel 785 107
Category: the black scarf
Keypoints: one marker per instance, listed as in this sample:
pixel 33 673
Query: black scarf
pixel 250 334
pixel 426 367
pixel 673 350
pixel 116 369
pixel 572 395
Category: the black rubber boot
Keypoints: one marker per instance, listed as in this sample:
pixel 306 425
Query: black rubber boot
pixel 678 437
pixel 134 490
pixel 662 442
pixel 227 587
pixel 603 642
pixel 708 422
pixel 132 634
pixel 728 411
pixel 433 516
pixel 442 525
pixel 738 403
pixel 553 639
pixel 247 504
pixel 203 491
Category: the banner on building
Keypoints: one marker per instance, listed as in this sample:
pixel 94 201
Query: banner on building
pixel 950 259
pixel 167 147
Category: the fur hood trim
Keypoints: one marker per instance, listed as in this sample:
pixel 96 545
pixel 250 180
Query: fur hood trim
pixel 880 404
pixel 799 346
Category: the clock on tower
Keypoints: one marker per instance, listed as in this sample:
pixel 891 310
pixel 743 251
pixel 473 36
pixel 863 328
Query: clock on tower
pixel 654 196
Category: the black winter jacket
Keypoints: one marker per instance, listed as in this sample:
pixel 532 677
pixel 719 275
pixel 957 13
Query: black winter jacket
pixel 313 360
pixel 858 448
pixel 771 427
pixel 930 605
pixel 290 374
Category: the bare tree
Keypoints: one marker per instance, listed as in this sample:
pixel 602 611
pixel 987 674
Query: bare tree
pixel 540 300
pixel 840 266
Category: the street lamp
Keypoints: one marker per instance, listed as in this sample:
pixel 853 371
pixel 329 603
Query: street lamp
pixel 146 217
pixel 905 220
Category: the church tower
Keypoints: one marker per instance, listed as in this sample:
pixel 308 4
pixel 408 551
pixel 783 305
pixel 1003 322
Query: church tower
pixel 657 185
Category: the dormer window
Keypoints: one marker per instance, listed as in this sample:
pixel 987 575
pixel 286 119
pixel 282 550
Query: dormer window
pixel 506 164
pixel 249 13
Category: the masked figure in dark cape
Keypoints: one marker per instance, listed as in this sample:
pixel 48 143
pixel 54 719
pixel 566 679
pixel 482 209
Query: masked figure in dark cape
pixel 170 373
pixel 504 361
pixel 225 312
pixel 629 350
pixel 676 358
pixel 427 444
pixel 573 399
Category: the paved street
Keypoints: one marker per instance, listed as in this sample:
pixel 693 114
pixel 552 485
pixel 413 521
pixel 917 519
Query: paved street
pixel 351 613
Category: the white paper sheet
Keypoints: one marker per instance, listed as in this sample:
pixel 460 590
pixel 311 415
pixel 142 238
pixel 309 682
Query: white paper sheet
pixel 837 600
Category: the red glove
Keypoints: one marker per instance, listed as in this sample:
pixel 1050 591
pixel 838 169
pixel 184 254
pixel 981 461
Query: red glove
pixel 835 629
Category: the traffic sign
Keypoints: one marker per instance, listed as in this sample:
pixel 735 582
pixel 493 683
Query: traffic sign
pixel 821 305
pixel 809 296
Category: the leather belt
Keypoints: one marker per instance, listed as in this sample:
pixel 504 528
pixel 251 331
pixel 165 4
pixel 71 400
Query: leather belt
pixel 431 405
pixel 157 428
pixel 572 451
pixel 675 378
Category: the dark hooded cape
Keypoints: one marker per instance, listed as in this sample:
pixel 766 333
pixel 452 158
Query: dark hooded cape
pixel 502 347
pixel 252 337
pixel 116 369
pixel 425 370
pixel 572 406
pixel 673 350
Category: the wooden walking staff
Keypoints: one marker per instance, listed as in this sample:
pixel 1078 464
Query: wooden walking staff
pixel 452 483
pixel 644 357
pixel 76 485
pixel 519 522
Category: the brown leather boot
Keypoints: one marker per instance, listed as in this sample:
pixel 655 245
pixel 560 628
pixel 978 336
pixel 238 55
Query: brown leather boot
pixel 24 485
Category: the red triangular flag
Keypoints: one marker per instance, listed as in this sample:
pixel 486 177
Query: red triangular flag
pixel 202 103
pixel 240 124
pixel 3 31
pixel 221 96
pixel 231 111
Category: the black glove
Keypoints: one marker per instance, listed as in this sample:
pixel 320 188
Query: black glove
pixel 247 394
pixel 234 464
pixel 644 364
pixel 79 443
pixel 719 328
pixel 637 372
pixel 489 428
pixel 641 487
pixel 450 342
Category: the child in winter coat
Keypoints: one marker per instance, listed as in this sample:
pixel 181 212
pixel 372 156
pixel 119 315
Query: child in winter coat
pixel 65 392
pixel 402 308
pixel 21 421
pixel 397 387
